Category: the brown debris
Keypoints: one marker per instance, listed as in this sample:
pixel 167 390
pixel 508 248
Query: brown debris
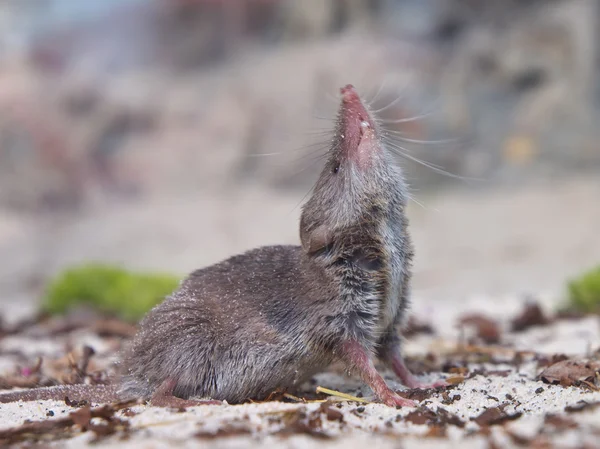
pixel 447 400
pixel 538 442
pixel 358 411
pixel 487 329
pixel 570 372
pixel 75 367
pixel 111 424
pixel 455 380
pixel 426 364
pixel 582 406
pixel 129 412
pixel 17 381
pixel 421 416
pixel 112 327
pixel 75 403
pixel 417 394
pixel 331 413
pixel 80 368
pixel 462 370
pixel 301 422
pixel 436 431
pixel 559 422
pixel 61 428
pixel 532 315
pixel 518 440
pixel 82 417
pixel 445 417
pixel 228 430
pixel 543 361
pixel 415 327
pixel 441 417
pixel 495 415
pixel 275 395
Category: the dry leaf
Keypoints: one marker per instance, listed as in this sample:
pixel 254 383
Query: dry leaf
pixel 454 380
pixel 487 329
pixel 495 415
pixel 567 372
pixel 532 315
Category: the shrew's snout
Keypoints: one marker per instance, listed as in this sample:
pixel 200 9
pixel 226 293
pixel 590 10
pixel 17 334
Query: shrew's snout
pixel 356 128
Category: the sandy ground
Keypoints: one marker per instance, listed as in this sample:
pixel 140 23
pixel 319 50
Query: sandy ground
pixel 375 423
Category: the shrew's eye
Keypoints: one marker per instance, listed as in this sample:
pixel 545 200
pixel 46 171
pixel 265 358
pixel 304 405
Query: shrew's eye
pixel 336 168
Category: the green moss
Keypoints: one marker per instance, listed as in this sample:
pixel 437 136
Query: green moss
pixel 109 289
pixel 584 292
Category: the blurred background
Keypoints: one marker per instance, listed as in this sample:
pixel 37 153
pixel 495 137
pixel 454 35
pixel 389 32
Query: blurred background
pixel 169 134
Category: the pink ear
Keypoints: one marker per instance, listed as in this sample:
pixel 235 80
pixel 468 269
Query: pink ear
pixel 316 239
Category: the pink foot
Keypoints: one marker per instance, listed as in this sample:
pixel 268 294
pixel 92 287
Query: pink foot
pixel 357 357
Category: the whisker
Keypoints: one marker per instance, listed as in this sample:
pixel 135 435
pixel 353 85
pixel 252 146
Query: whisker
pixel 317 159
pixel 400 136
pixel 320 131
pixel 388 106
pixel 302 199
pixel 414 118
pixel 372 100
pixel 402 152
pixel 320 145
pixel 313 156
pixel 414 200
pixel 406 120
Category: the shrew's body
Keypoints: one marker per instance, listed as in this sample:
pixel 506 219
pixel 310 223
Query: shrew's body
pixel 273 316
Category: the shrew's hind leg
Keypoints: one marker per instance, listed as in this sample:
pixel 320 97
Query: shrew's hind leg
pixel 356 357
pixel 390 352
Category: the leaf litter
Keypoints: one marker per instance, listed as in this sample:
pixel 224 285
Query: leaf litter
pixel 467 361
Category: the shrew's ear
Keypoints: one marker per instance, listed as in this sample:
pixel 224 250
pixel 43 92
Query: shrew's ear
pixel 316 240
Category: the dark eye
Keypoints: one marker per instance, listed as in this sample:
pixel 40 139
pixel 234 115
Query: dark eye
pixel 336 168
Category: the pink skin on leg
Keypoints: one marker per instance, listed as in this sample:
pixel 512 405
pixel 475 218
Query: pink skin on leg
pixel 356 356
pixel 407 378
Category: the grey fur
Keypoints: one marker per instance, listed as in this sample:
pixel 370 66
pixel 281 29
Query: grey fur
pixel 273 316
